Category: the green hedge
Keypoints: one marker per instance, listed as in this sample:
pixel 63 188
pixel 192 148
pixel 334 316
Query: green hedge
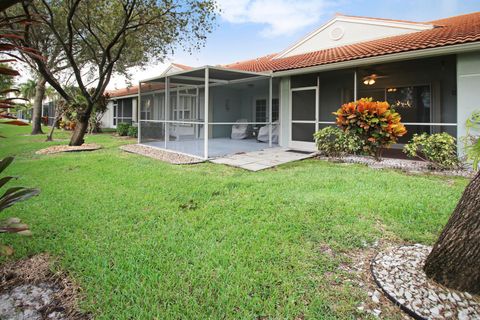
pixel 133 131
pixel 122 129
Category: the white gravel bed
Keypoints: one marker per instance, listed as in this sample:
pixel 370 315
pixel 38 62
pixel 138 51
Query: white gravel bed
pixel 171 157
pixel 399 273
pixel 411 166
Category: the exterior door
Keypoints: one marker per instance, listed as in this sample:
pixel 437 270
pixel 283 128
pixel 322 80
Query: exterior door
pixel 304 118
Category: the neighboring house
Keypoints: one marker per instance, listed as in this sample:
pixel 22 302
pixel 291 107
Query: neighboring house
pixel 24 114
pixel 48 112
pixel 430 72
pixel 122 106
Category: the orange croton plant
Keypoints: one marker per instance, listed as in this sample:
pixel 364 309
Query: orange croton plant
pixel 375 122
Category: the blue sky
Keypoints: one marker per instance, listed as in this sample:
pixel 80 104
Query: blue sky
pixel 252 28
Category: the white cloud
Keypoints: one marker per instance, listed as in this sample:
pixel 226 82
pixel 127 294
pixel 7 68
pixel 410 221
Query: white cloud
pixel 280 17
pixel 120 81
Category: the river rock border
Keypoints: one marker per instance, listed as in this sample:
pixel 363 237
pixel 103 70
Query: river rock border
pixel 406 165
pixel 398 271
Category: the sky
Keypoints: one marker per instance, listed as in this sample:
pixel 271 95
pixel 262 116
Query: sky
pixel 252 28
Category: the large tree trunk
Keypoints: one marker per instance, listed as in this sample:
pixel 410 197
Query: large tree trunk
pixel 455 259
pixel 81 128
pixel 37 106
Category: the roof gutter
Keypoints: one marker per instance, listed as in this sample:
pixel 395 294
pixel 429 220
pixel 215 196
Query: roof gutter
pixel 130 95
pixel 409 55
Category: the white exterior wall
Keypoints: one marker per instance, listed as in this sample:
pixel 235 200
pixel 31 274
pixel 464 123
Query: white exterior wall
pixel 284 111
pixel 468 93
pixel 107 119
pixel 134 110
pixel 347 30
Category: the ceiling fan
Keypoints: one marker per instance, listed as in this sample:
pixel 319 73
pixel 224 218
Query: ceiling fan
pixel 372 77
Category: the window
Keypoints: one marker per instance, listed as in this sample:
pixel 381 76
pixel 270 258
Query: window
pixel 186 106
pixel 146 110
pixel 413 103
pixel 275 109
pixel 261 107
pixel 122 111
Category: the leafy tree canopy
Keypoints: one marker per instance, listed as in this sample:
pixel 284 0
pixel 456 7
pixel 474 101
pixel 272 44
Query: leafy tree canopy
pixel 100 37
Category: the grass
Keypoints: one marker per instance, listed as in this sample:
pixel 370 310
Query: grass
pixel 150 240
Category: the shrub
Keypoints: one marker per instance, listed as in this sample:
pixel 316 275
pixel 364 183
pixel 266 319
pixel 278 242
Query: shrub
pixel 439 149
pixel 133 131
pixel 122 129
pixel 334 142
pixel 472 139
pixel 473 152
pixel 375 123
pixel 67 125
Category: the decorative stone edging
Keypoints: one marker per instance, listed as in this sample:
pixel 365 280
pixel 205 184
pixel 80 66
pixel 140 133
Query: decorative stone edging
pixel 399 273
pixel 411 166
pixel 155 153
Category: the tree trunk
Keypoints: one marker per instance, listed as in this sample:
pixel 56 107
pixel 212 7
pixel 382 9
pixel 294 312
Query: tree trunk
pixel 455 259
pixel 81 128
pixel 37 106
pixel 54 125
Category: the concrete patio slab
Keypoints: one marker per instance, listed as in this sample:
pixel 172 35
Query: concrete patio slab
pixel 263 159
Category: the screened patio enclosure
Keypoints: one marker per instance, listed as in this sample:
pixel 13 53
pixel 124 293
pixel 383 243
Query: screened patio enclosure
pixel 209 112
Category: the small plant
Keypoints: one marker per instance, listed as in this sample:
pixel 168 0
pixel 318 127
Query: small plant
pixel 440 149
pixel 375 123
pixel 472 140
pixel 333 142
pixel 8 199
pixel 122 129
pixel 133 131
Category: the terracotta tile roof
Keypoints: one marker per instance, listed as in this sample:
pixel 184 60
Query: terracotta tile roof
pixel 258 64
pixel 123 92
pixel 133 90
pixel 182 66
pixel 449 31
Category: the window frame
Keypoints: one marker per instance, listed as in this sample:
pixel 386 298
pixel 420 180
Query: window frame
pixel 118 112
pixel 277 111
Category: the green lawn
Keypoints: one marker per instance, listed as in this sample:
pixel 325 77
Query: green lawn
pixel 146 239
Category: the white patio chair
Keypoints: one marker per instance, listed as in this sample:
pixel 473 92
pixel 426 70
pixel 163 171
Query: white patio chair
pixel 263 133
pixel 240 131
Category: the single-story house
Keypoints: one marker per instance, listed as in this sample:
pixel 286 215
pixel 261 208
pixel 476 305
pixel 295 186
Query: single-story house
pixel 48 112
pixel 430 72
pixel 122 106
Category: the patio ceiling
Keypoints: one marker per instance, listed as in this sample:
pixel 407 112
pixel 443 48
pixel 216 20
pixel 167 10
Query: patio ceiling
pixel 196 77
